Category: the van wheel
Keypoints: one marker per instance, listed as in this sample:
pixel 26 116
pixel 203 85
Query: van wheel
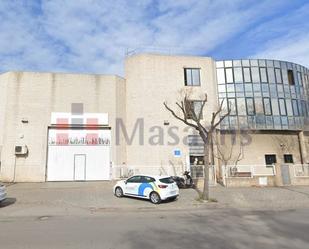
pixel 118 192
pixel 155 198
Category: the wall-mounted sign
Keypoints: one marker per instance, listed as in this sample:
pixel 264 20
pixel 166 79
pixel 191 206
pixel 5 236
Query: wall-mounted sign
pixel 177 153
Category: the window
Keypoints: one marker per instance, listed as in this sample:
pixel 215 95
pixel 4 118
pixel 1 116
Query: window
pixel 147 179
pixel 247 74
pixel 193 108
pixel 289 109
pixel 263 73
pixel 295 107
pixel 250 106
pixel 278 75
pixel 270 159
pixel 232 106
pixel 291 77
pixel 282 107
pixel 288 158
pixel 135 179
pixel 221 76
pixel 271 75
pixel 255 74
pixel 275 106
pixel 241 106
pixel 229 75
pixel 267 106
pixel 192 77
pixel 238 75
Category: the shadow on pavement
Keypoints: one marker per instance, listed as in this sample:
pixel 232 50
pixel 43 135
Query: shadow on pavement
pixel 7 202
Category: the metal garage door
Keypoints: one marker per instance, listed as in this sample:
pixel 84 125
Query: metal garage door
pixel 78 154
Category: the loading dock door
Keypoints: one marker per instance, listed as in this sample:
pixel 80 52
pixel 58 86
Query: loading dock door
pixel 78 155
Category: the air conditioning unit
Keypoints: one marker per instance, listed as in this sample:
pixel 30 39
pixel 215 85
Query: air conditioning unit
pixel 21 150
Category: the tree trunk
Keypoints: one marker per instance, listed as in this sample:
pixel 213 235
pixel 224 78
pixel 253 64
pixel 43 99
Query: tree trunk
pixel 205 195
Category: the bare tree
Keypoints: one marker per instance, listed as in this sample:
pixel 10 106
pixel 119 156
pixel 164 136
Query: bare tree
pixel 229 153
pixel 190 116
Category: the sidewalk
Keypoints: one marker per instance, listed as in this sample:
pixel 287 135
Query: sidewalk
pixel 83 198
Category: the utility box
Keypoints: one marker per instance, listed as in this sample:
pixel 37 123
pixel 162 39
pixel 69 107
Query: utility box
pixel 21 150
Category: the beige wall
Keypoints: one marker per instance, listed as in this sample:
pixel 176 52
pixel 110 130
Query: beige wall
pixel 151 80
pixel 34 96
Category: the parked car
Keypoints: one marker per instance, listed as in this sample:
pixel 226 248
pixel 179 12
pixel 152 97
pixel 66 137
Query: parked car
pixel 2 192
pixel 154 188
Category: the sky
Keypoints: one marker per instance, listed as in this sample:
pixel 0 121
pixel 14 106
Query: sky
pixel 95 36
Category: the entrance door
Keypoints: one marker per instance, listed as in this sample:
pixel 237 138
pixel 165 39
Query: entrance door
pixel 285 173
pixel 80 167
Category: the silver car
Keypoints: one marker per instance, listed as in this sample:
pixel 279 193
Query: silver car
pixel 2 192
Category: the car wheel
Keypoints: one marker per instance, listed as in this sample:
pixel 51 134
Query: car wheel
pixel 173 198
pixel 118 192
pixel 155 198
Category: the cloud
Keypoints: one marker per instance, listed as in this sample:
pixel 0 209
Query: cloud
pixel 93 36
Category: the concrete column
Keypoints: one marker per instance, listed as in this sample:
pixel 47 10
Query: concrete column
pixel 302 147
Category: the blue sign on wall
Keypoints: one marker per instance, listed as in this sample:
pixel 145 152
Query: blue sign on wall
pixel 177 153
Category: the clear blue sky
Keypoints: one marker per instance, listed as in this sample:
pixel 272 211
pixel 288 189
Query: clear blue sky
pixel 93 35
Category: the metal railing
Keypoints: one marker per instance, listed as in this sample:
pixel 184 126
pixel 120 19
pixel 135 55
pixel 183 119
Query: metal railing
pixel 249 171
pixel 301 170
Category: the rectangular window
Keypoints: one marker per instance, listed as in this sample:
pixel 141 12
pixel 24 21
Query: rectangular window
pixel 275 106
pixel 271 75
pixel 282 107
pixel 238 75
pixel 192 76
pixel 289 107
pixel 270 159
pixel 258 103
pixel 232 106
pixel 250 106
pixel 291 77
pixel 299 78
pixel 267 106
pixel 263 73
pixel 229 75
pixel 255 74
pixel 295 107
pixel 221 76
pixel 247 74
pixel 278 75
pixel 241 106
pixel 288 158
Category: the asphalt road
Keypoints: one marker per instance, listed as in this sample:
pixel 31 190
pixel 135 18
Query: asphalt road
pixel 223 228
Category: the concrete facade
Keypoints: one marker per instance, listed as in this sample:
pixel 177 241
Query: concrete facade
pixel 145 135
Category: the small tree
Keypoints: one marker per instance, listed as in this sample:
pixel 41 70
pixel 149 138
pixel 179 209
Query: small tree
pixel 229 153
pixel 190 116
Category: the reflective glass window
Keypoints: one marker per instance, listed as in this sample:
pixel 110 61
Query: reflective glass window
pixel 260 121
pixel 221 76
pixel 265 90
pixel 254 63
pixel 263 73
pixel 258 106
pixel 277 122
pixel 278 75
pixel 237 63
pixel 230 88
pixel 273 90
pixel 284 122
pixel 232 106
pixel 282 107
pixel 289 109
pixel 238 75
pixel 269 122
pixel 271 75
pixel 267 107
pixel 255 74
pixel 228 63
pixel 219 64
pixel 262 63
pixel 247 74
pixel 270 63
pixel 241 106
pixel 280 91
pixel 229 75
pixel 275 106
pixel 250 106
pixel 245 63
pixel 285 76
pixel 257 90
pixel 277 64
pixel 239 87
pixel 221 88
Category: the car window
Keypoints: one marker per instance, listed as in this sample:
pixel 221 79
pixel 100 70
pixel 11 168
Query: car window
pixel 147 179
pixel 167 180
pixel 135 179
